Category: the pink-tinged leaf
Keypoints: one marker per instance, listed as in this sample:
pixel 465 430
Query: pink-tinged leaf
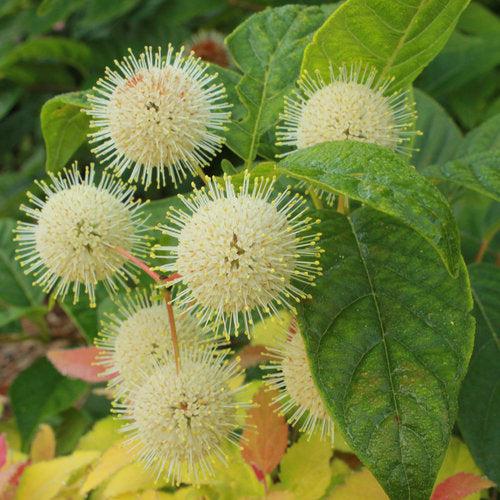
pixel 252 355
pixel 3 450
pixel 265 437
pixel 261 477
pixel 78 363
pixel 9 477
pixel 460 486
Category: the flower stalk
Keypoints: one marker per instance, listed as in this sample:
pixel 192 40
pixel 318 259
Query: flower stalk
pixel 166 294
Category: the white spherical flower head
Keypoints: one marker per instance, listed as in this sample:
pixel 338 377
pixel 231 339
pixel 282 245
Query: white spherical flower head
pixel 138 334
pixel 353 105
pixel 158 114
pixel 298 398
pixel 76 230
pixel 179 423
pixel 241 254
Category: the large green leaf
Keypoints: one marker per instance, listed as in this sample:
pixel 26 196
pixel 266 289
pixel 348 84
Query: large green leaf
pixel 483 138
pixel 472 51
pixel 389 336
pixel 382 180
pixel 64 128
pixel 16 288
pixel 440 135
pixel 398 39
pixel 40 392
pixel 479 172
pixel 480 396
pixel 268 48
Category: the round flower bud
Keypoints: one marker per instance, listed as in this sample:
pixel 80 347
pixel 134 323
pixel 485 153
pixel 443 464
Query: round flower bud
pixel 242 253
pixel 138 334
pixel 299 399
pixel 180 422
pixel 157 115
pixel 209 46
pixel 76 228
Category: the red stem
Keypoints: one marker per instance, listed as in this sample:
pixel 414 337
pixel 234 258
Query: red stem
pixel 166 294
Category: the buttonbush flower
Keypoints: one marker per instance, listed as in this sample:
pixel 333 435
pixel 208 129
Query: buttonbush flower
pixel 180 423
pixel 241 253
pixel 139 333
pixel 158 114
pixel 298 398
pixel 352 105
pixel 71 242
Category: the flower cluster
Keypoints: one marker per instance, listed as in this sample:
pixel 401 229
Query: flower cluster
pixel 238 249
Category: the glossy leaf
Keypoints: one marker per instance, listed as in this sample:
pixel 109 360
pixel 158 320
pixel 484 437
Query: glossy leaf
pixel 480 399
pixel 267 48
pixel 266 436
pixel 382 180
pixel 64 128
pixel 479 172
pixel 389 335
pixel 398 42
pixel 440 137
pixel 40 392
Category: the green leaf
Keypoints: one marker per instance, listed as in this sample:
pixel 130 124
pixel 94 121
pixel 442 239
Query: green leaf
pixel 399 41
pixel 483 138
pixel 472 51
pixel 64 128
pixel 8 98
pixel 389 336
pixel 268 48
pixel 11 314
pixel 382 180
pixel 480 397
pixel 16 288
pixel 479 172
pixel 440 135
pixel 49 50
pixel 40 392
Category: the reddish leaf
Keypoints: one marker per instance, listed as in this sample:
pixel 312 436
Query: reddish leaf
pixel 252 355
pixel 266 436
pixel 78 363
pixel 460 486
pixel 3 450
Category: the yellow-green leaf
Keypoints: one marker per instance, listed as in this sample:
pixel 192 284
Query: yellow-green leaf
pixel 45 480
pixel 102 436
pixel 305 468
pixel 112 460
pixel 43 446
pixel 359 486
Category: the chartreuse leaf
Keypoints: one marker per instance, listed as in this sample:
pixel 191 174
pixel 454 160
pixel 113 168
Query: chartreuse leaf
pixel 389 335
pixel 40 392
pixel 398 40
pixel 480 397
pixel 305 468
pixel 102 436
pixel 45 480
pixel 64 128
pixel 382 180
pixel 359 486
pixel 479 172
pixel 267 48
pixel 440 137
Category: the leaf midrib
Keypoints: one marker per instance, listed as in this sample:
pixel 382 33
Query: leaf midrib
pixel 386 351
